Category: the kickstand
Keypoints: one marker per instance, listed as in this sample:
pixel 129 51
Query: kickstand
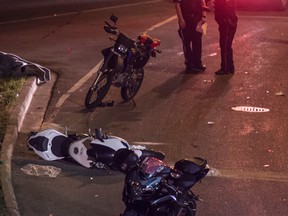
pixel 104 104
pixel 111 103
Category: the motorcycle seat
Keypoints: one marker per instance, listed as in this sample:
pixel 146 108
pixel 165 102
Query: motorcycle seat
pixel 192 166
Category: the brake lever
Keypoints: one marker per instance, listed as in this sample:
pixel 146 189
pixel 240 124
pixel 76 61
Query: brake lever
pixel 112 38
pixel 108 24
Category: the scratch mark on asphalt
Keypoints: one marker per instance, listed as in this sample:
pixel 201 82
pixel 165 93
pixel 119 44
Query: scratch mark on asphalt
pixel 61 26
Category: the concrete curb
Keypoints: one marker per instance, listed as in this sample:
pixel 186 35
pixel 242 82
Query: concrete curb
pixel 14 125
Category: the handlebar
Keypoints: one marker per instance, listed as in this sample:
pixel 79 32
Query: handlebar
pixel 108 24
pixel 110 29
pixel 144 42
pixel 100 135
pixel 111 38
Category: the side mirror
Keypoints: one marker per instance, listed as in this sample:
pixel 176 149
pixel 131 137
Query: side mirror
pixel 113 19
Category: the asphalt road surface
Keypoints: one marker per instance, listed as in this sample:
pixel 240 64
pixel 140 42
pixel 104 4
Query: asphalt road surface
pixel 179 114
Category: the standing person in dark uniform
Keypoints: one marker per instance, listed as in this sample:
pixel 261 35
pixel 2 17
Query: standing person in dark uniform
pixel 226 17
pixel 190 13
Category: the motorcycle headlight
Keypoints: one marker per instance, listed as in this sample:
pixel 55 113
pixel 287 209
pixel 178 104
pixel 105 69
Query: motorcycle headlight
pixel 121 49
pixel 136 189
pixel 123 44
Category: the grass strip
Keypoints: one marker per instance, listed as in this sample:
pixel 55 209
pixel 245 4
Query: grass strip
pixel 9 91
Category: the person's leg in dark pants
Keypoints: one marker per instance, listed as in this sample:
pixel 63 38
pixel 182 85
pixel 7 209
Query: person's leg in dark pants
pixel 197 49
pixel 229 52
pixel 223 30
pixel 186 41
pixel 227 33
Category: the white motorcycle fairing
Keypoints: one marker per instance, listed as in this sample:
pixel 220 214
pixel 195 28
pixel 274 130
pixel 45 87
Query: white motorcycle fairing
pixel 78 151
pixel 101 150
pixel 49 144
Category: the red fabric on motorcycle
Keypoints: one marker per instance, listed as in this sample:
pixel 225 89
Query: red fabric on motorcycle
pixel 146 39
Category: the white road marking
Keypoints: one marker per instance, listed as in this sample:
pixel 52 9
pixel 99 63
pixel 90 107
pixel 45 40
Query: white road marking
pixel 261 17
pixel 78 12
pixel 162 23
pixel 149 143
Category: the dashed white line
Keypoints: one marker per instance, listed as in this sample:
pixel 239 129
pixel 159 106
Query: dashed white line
pixel 149 143
pixel 162 23
pixel 77 12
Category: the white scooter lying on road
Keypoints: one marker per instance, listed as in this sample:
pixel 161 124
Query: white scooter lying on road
pixel 88 150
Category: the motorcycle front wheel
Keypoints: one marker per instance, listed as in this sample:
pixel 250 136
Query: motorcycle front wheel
pixel 188 210
pixel 98 90
pixel 132 85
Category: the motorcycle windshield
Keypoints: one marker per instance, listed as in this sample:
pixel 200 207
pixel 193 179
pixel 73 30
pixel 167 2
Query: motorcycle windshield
pixel 151 166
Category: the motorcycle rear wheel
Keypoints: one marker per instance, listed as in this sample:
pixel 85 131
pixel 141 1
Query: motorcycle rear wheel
pixel 132 85
pixel 98 90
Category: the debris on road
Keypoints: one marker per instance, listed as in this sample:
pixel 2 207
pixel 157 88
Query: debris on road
pixel 279 93
pixel 250 109
pixel 40 170
pixel 270 151
pixel 214 172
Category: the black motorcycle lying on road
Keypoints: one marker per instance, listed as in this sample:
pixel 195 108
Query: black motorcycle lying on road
pixel 152 188
pixel 122 66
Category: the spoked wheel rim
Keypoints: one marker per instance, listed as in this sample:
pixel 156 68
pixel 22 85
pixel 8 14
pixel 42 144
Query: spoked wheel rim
pixel 97 92
pixel 132 85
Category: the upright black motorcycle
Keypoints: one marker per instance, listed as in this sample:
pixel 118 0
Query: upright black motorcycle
pixel 122 65
pixel 152 188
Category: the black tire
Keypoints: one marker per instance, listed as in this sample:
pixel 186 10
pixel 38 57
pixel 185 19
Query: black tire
pixel 98 91
pixel 191 206
pixel 132 85
pixel 189 210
